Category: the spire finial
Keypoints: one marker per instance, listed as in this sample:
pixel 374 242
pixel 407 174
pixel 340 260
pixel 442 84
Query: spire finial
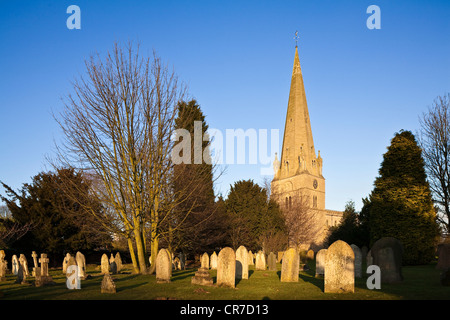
pixel 296 38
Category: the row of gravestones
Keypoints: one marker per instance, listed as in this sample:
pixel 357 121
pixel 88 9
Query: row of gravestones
pixel 337 264
pixel 19 267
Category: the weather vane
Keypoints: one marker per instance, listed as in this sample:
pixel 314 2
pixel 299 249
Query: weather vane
pixel 296 37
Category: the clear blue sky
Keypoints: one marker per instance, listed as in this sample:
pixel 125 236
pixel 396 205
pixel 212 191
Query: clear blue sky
pixel 362 85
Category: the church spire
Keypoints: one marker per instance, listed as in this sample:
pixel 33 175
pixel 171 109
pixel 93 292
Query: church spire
pixel 297 154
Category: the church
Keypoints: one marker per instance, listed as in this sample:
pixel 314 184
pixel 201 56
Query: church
pixel 298 185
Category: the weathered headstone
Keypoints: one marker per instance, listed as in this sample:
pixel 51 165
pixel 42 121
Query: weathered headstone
pixel 118 260
pixel 387 254
pixel 21 274
pixel 42 275
pixel 14 264
pixel 65 262
pixel 260 261
pixel 290 266
pixel 3 266
pixel 105 264
pixel 73 280
pixel 358 260
pixel 204 261
pixel 339 268
pixel 202 276
pixel 226 267
pixel 163 266
pixel 272 262
pixel 112 264
pixel 443 252
pixel 320 262
pixel 108 285
pixel 34 256
pixel 23 261
pixel 213 261
pixel 251 258
pixel 241 263
pixel 182 257
pixel 81 263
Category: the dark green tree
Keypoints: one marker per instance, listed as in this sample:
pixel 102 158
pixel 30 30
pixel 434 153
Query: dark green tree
pixel 350 229
pixel 198 223
pixel 58 222
pixel 400 203
pixel 252 216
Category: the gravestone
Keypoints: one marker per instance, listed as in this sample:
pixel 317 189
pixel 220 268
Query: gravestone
pixel 23 261
pixel 320 262
pixel 43 277
pixel 213 261
pixel 358 260
pixel 226 267
pixel 260 261
pixel 81 263
pixel 204 261
pixel 163 267
pixel 118 260
pixel 202 276
pixel 3 268
pixel 241 263
pixel 14 264
pixel 105 264
pixel 387 254
pixel 65 262
pixel 290 265
pixel 21 274
pixel 443 252
pixel 112 264
pixel 108 285
pixel 34 256
pixel 339 268
pixel 272 262
pixel 73 280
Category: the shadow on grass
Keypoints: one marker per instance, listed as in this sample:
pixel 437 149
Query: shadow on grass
pixel 318 282
pixel 183 274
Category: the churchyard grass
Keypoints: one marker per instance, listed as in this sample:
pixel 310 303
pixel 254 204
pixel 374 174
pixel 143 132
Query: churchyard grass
pixel 420 282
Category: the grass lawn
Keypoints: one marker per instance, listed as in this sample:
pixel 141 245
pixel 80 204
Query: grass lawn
pixel 420 282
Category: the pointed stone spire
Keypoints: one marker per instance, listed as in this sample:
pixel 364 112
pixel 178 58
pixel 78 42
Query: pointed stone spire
pixel 298 154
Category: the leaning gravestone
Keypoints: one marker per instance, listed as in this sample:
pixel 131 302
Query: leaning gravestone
pixel 272 262
pixel 387 254
pixel 358 260
pixel 81 263
pixel 163 266
pixel 213 261
pixel 23 261
pixel 339 268
pixel 118 260
pixel 241 263
pixel 260 261
pixel 290 266
pixel 226 267
pixel 320 262
pixel 105 264
pixel 443 252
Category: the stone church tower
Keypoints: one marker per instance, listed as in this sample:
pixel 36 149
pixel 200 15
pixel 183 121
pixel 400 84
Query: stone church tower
pixel 298 175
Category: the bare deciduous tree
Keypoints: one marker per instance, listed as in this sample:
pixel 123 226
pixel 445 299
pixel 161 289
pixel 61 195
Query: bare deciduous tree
pixel 117 126
pixel 435 143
